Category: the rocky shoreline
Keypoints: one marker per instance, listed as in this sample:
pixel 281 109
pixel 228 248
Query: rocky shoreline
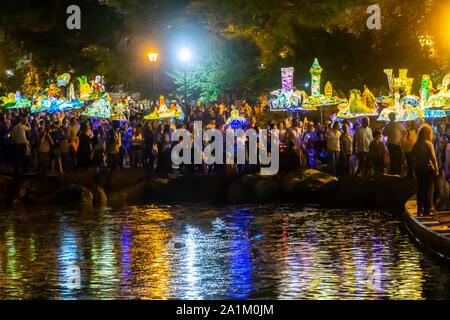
pixel 129 187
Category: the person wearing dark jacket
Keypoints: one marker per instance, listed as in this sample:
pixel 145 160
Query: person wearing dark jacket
pixel 84 148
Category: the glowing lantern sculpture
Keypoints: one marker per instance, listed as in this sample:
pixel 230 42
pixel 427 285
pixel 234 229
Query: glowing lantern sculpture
pixel 118 111
pixel 328 89
pixel 358 105
pixel 318 100
pixel 85 88
pixel 15 101
pixel 287 98
pixel 400 101
pixel 100 108
pixel 440 100
pixel 55 100
pixel 411 107
pixel 63 80
pixel 163 112
pixel 316 71
pixel 235 121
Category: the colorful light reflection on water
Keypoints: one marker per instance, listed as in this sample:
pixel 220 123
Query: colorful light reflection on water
pixel 201 252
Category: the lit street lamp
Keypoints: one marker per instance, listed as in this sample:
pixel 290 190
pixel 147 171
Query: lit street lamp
pixel 152 58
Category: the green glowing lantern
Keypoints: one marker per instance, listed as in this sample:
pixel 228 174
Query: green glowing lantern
pixel 425 90
pixel 315 71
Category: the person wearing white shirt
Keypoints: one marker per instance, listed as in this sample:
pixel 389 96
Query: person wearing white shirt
pixel 393 132
pixel 334 148
pixel 363 137
pixel 19 137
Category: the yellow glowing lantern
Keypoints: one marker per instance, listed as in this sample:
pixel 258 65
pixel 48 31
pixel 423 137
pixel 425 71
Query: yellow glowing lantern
pixel 328 89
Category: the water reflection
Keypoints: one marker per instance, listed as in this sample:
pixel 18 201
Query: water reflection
pixel 240 253
pixel 181 252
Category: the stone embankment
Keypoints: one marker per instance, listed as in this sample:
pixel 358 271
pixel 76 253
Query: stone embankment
pixel 131 187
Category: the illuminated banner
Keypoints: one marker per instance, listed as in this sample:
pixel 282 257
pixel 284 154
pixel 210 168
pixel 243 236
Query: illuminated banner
pixel 287 78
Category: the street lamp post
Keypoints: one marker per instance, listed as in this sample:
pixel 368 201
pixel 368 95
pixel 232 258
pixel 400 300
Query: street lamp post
pixel 185 56
pixel 152 58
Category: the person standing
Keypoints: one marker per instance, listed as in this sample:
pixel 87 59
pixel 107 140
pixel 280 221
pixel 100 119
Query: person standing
pixel 363 137
pixel 98 147
pixel 85 148
pixel 45 142
pixel 5 128
pixel 426 169
pixel 136 143
pixel 334 148
pixel 148 148
pixel 73 140
pixel 166 151
pixel 114 143
pixel 409 138
pixel 346 143
pixel 19 138
pixel 377 153
pixel 393 132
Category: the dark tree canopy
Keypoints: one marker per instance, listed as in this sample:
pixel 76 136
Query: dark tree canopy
pixel 239 46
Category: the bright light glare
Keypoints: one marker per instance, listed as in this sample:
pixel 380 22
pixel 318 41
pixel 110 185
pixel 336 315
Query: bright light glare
pixel 307 84
pixel 185 55
pixel 9 73
pixel 153 56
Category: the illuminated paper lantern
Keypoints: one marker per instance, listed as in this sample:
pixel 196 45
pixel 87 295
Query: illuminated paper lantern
pixel 63 80
pixel 287 78
pixel 15 101
pixel 235 121
pixel 425 90
pixel 118 111
pixel 389 74
pixel 85 88
pixel 316 71
pixel 163 112
pixel 358 106
pixel 328 89
pixel 99 109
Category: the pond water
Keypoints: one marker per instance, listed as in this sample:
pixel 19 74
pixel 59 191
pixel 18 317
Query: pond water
pixel 205 252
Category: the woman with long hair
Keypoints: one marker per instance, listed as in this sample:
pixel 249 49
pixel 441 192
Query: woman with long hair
pixel 426 169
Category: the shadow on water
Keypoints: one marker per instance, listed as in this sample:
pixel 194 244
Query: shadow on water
pixel 205 252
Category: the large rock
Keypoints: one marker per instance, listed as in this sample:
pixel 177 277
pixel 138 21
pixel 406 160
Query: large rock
pixel 74 195
pixel 309 186
pixel 99 197
pixel 243 190
pixel 381 192
pixel 267 189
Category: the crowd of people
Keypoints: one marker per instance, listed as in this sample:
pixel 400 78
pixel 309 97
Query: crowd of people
pixel 409 149
pixel 53 143
pixel 58 142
